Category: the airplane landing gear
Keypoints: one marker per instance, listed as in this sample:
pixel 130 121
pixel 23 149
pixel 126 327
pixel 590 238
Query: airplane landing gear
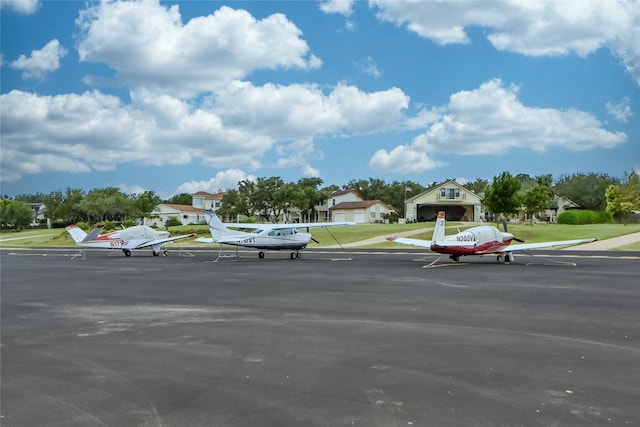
pixel 127 252
pixel 156 253
pixel 261 254
pixel 455 258
pixel 295 255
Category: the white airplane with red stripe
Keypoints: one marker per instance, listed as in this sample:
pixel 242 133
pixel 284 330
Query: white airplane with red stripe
pixel 480 240
pixel 127 240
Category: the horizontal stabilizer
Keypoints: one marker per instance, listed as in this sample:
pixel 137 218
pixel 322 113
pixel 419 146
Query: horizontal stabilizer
pixel 412 242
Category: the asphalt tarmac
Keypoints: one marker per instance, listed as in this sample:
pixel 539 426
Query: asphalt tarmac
pixel 378 340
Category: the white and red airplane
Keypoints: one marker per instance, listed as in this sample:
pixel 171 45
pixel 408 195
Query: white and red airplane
pixel 480 240
pixel 264 236
pixel 138 237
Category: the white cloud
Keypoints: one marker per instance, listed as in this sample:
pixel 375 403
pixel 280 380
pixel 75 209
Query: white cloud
pixel 621 111
pixel 238 127
pixel 491 120
pixel 41 61
pixel 370 68
pixel 148 45
pixel 342 7
pixel 224 180
pixel 403 159
pixel 540 28
pixel 25 7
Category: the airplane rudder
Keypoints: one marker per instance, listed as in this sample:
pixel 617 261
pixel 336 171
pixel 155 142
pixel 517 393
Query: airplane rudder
pixel 439 229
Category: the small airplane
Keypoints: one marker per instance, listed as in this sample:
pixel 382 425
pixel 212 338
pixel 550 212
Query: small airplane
pixel 479 240
pixel 138 237
pixel 264 236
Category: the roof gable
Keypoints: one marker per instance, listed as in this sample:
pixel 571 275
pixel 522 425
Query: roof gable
pixel 433 191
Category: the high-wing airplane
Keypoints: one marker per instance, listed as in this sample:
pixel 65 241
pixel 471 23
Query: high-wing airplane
pixel 138 237
pixel 480 240
pixel 264 236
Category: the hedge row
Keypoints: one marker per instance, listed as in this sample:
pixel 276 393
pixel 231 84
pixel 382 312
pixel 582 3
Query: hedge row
pixel 579 217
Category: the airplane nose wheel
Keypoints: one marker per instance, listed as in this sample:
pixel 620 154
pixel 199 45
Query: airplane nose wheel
pixel 295 255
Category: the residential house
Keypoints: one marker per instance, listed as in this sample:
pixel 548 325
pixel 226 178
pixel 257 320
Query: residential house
pixel 458 203
pixel 361 211
pixel 187 214
pixel 323 211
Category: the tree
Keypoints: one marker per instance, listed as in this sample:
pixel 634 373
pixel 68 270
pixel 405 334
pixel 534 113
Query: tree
pixel 307 196
pixel 14 213
pixel 181 199
pixel 478 186
pixel 270 198
pixel 105 204
pixel 501 197
pixel 536 199
pixel 143 204
pixel 64 206
pixel 624 198
pixel 587 190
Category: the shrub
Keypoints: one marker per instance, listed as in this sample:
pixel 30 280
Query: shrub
pixel 172 222
pixel 580 217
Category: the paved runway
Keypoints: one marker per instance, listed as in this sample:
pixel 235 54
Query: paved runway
pixel 375 341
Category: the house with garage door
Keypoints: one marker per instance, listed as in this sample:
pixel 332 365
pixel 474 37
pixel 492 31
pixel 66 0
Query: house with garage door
pixel 361 211
pixel 458 203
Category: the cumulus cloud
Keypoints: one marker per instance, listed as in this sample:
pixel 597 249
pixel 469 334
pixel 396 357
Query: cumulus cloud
pixel 342 7
pixel 189 58
pixel 540 28
pixel 403 159
pixel 24 7
pixel 491 120
pixel 222 181
pixel 41 61
pixel 238 126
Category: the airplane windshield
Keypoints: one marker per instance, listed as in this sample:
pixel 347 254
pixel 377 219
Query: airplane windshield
pixel 256 231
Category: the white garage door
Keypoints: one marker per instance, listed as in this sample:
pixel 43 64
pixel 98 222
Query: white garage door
pixel 359 218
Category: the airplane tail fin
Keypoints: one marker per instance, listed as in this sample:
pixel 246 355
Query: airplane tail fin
pixel 439 229
pixel 216 227
pixel 78 235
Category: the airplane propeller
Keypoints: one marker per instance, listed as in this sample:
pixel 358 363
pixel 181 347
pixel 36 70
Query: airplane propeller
pixel 518 240
pixel 315 240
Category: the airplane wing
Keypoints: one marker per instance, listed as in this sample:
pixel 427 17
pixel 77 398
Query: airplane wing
pixel 205 240
pixel 270 226
pixel 527 246
pixel 317 224
pixel 162 241
pixel 412 242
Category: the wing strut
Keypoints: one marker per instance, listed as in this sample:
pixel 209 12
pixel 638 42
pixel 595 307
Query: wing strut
pixel 349 257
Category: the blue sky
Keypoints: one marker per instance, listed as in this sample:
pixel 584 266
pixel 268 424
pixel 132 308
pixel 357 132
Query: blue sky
pixel 195 96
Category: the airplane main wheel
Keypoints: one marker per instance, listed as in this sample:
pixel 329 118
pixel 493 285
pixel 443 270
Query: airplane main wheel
pixel 260 254
pixel 455 258
pixel 127 252
pixel 156 253
pixel 293 255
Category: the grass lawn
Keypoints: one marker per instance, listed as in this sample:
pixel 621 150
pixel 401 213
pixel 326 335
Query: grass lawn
pixel 344 235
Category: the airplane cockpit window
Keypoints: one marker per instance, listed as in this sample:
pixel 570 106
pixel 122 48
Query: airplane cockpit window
pixel 257 231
